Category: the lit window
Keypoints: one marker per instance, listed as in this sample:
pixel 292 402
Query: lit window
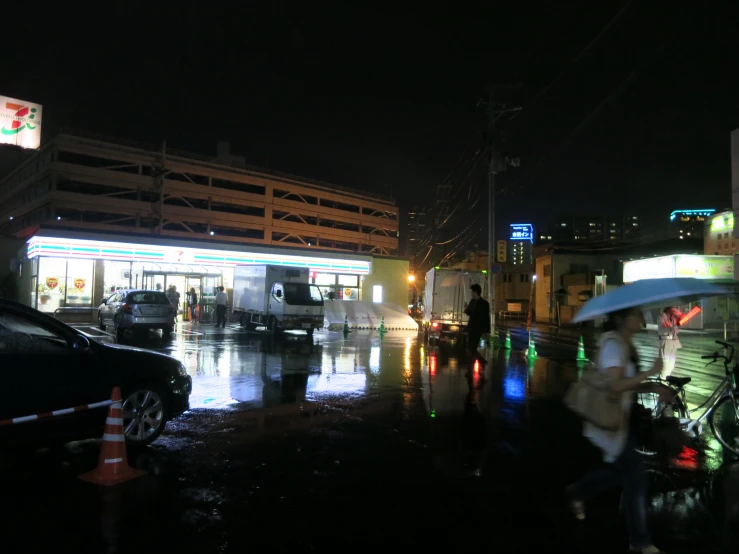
pixel 377 294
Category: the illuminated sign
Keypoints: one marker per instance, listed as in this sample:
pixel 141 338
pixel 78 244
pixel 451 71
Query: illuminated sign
pixel 502 253
pixel 699 267
pixel 691 214
pixel 120 251
pixel 522 231
pixel 20 123
pixel 722 222
pixel 705 267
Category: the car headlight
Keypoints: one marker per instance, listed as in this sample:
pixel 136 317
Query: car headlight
pixel 181 371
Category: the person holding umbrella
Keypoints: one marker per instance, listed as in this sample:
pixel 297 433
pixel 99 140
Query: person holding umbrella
pixel 668 341
pixel 618 361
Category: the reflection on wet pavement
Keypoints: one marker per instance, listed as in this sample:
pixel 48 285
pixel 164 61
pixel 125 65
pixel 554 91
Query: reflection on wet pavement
pixel 294 429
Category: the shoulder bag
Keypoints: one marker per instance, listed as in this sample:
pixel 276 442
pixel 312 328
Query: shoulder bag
pixel 592 399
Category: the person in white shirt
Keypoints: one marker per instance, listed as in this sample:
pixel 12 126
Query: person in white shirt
pixel 221 307
pixel 618 360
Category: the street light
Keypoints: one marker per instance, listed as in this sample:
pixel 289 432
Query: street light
pixel 411 278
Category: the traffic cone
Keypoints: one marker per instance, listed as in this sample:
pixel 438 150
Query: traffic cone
pixel 507 340
pixel 581 351
pixel 113 466
pixel 531 353
pixel 382 325
pixel 346 325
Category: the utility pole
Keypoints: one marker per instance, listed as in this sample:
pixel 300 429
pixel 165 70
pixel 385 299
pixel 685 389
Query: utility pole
pixel 497 163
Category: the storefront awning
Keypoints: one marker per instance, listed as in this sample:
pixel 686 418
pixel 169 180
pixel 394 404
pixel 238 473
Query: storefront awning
pixel 122 251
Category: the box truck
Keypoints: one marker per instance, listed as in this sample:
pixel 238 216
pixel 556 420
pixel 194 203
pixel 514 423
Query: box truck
pixel 278 298
pixel 447 294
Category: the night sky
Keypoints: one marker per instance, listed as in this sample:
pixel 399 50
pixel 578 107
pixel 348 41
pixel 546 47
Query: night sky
pixel 639 121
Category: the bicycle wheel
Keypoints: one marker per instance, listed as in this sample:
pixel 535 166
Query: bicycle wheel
pixel 652 409
pixel 724 420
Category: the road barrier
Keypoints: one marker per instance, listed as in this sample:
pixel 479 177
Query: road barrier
pixel 55 413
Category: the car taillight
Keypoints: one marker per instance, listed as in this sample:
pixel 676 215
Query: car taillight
pixel 127 309
pixel 435 324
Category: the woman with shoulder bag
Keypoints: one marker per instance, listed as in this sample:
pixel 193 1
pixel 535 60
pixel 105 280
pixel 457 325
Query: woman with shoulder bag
pixel 617 361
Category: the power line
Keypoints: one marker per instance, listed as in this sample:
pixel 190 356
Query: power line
pixel 565 141
pixel 568 68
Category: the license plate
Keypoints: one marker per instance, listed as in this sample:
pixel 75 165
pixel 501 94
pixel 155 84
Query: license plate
pixel 454 327
pixel 307 325
pixel 146 310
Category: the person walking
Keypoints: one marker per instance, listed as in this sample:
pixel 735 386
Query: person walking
pixel 192 303
pixel 618 359
pixel 221 307
pixel 668 341
pixel 478 324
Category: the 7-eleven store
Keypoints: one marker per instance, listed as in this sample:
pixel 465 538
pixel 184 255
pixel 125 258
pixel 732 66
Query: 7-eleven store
pixel 74 270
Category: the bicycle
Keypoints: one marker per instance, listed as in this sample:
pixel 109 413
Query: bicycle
pixel 721 409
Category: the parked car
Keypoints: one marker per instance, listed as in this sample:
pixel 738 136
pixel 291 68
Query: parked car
pixel 137 310
pixel 47 365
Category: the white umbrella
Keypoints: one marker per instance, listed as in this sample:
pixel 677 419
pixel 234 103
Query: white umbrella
pixel 648 293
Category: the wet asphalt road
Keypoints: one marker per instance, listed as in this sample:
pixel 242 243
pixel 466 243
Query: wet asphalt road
pixel 334 443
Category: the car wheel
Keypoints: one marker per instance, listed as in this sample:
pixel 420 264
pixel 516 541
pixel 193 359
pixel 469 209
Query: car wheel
pixel 167 331
pixel 144 414
pixel 101 325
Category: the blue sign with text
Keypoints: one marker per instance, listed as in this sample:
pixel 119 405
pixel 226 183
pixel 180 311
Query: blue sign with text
pixel 522 231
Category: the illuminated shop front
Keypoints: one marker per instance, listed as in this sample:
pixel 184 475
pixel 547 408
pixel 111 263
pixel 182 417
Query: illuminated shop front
pixel 717 269
pixel 64 272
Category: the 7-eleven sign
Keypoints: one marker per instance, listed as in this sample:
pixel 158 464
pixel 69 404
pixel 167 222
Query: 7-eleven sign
pixel 20 122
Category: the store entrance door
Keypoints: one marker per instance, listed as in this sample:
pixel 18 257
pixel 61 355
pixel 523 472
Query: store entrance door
pixel 205 286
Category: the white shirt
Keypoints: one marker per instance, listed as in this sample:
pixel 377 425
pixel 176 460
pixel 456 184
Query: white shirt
pixel 614 352
pixel 222 299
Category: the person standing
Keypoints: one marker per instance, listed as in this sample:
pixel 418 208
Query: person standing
pixel 174 297
pixel 618 360
pixel 478 324
pixel 221 307
pixel 192 303
pixel 668 341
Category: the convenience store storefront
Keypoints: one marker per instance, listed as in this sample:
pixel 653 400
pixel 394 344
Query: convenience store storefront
pixel 716 269
pixel 74 272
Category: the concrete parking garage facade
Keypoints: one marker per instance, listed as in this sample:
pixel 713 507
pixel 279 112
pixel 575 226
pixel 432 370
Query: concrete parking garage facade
pixel 98 214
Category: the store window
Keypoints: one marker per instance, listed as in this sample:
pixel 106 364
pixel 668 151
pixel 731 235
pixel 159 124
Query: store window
pixel 51 285
pixel 117 275
pixel 338 287
pixel 64 283
pixel 348 288
pixel 325 279
pixel 79 282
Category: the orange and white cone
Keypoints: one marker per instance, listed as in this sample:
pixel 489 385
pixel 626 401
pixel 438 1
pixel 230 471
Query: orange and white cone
pixel 113 466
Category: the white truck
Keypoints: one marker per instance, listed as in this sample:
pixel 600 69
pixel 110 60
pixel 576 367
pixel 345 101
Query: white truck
pixel 447 293
pixel 278 298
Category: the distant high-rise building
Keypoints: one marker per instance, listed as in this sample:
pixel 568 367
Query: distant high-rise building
pixel 576 229
pixel 689 223
pixel 520 244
